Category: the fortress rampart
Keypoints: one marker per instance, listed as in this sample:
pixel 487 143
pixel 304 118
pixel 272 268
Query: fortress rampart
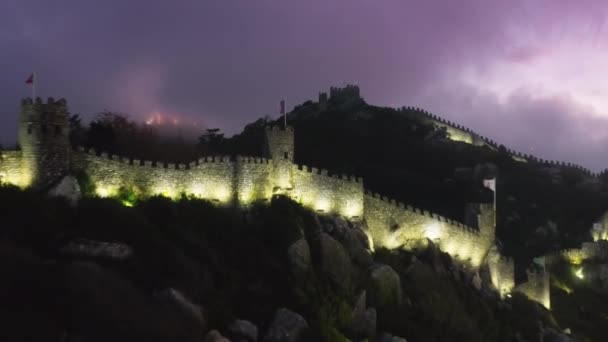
pixel 242 180
pixel 460 133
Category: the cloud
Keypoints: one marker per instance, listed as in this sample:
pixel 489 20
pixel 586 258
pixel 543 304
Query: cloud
pixel 533 70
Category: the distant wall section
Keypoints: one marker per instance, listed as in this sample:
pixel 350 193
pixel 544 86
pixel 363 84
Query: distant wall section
pixel 394 225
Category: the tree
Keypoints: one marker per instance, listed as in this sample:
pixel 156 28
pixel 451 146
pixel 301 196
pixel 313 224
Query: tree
pixel 112 132
pixel 77 132
pixel 213 140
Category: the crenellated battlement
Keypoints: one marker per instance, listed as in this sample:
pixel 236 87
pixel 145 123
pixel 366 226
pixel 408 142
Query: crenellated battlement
pixel 242 180
pixel 324 172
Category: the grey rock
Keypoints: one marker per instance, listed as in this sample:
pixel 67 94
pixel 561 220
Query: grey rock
pixel 298 255
pixel 287 326
pixel 184 306
pixel 68 187
pixel 476 281
pixel 335 261
pixel 364 324
pixel 551 335
pixel 242 330
pixel 215 336
pixel 384 337
pixel 384 287
pixel 101 249
pixel 360 304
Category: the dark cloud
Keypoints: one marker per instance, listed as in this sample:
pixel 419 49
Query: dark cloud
pixel 227 62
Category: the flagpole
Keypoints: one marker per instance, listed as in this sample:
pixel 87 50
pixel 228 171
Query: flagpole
pixel 495 188
pixel 34 86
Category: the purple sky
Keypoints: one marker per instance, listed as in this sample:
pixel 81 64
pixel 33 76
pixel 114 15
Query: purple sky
pixel 531 74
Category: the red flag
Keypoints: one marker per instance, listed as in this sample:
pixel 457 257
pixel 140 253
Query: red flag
pixel 282 107
pixel 30 80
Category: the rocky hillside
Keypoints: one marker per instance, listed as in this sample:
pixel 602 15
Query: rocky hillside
pixel 189 271
pixel 541 207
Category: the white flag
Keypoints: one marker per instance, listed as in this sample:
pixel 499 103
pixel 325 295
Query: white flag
pixel 490 184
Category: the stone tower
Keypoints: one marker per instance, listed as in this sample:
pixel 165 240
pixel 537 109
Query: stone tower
pixel 43 137
pixel 481 216
pixel 323 101
pixel 280 148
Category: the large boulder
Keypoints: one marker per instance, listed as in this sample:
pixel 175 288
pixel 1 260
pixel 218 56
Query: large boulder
pixel 184 308
pixel 215 336
pixel 384 286
pixel 335 261
pixel 363 319
pixel 364 325
pixel 287 326
pixel 97 249
pixel 552 335
pixel 242 330
pixel 68 187
pixel 299 258
pixel 384 337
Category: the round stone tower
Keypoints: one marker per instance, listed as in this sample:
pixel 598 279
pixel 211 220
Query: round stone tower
pixel 43 137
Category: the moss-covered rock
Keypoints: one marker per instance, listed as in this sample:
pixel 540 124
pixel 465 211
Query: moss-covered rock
pixel 384 287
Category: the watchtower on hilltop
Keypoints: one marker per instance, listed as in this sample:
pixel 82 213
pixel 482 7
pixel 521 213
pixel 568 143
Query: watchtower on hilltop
pixel 43 137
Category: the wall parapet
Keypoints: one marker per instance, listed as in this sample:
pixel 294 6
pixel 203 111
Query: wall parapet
pixel 423 212
pixel 325 173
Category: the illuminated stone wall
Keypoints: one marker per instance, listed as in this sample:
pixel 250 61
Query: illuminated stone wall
pixel 502 272
pixel 242 180
pixel 588 251
pixel 537 287
pixel 394 225
pixel 12 169
pixel 316 189
pixel 215 178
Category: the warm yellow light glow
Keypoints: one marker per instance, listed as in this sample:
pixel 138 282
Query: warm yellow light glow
pixel 579 273
pixel 575 258
pixel 284 182
pixel 198 191
pixel 370 240
pixel 165 190
pixel 22 179
pixel 103 190
pixel 352 209
pixel 322 204
pixel 433 231
pixel 222 193
pixel 246 196
pixel 392 241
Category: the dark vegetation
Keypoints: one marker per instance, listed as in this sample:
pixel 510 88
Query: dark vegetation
pixel 541 208
pixel 232 263
pixel 580 304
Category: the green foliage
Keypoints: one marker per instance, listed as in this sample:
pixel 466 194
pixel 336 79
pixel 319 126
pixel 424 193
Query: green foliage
pixel 327 305
pixel 128 196
pixel 87 187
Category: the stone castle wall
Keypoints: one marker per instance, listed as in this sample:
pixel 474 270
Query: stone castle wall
pixel 12 170
pixel 395 225
pixel 502 272
pixel 317 190
pixel 537 287
pixel 218 178
pixel 240 181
